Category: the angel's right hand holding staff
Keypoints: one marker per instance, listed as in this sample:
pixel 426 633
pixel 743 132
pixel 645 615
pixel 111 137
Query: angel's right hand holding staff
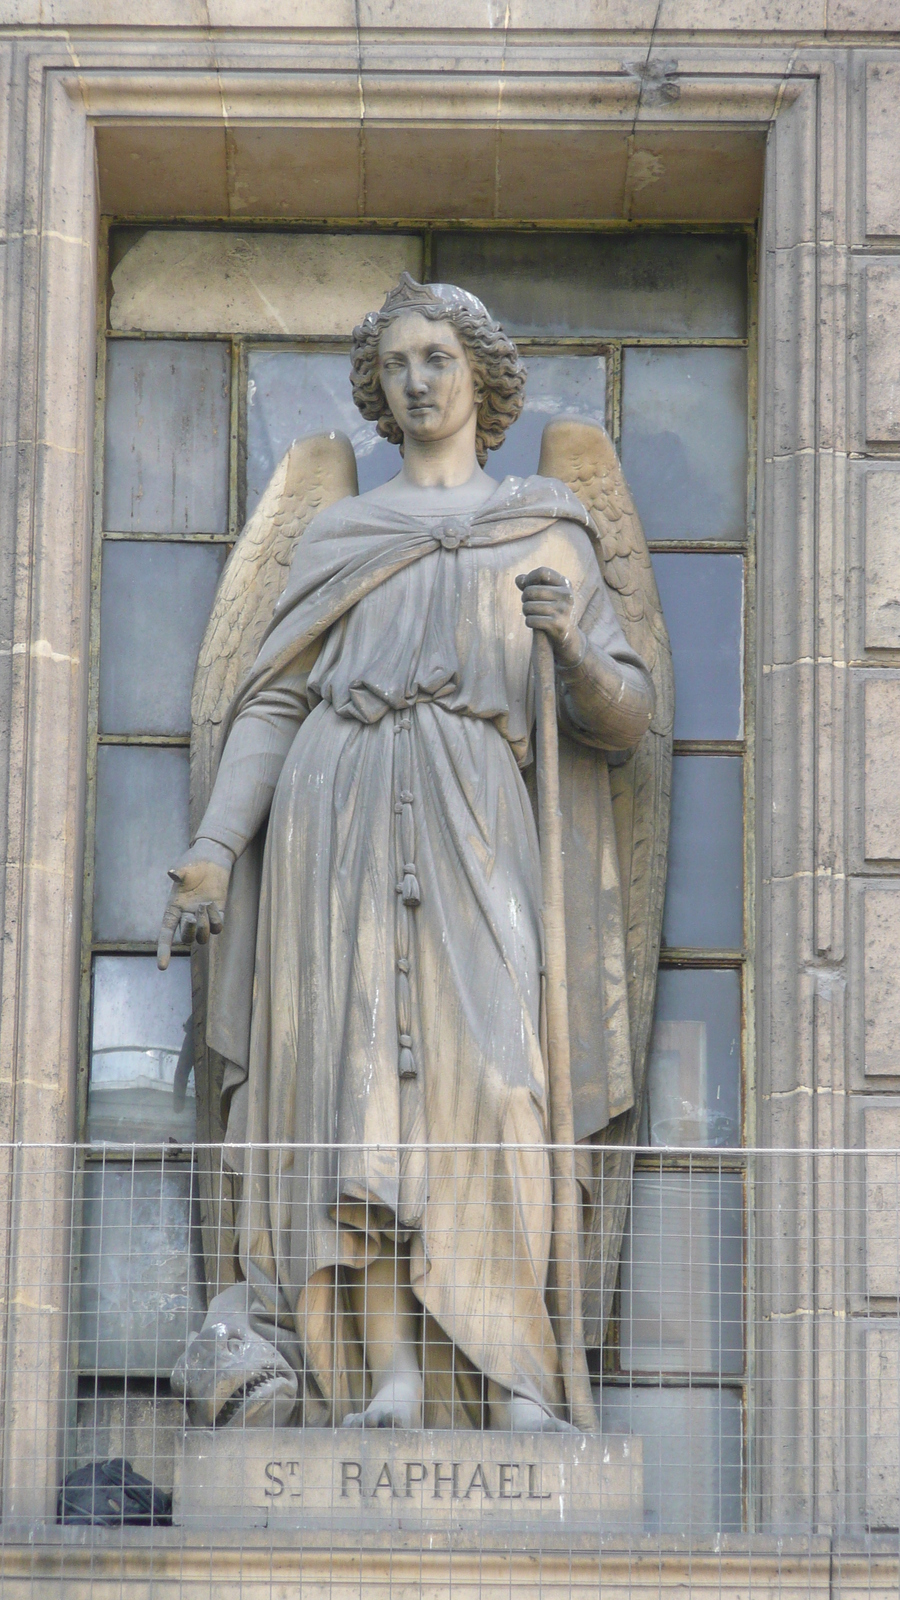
pixel 196 904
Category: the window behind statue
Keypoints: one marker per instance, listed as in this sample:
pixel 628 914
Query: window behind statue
pixel 221 350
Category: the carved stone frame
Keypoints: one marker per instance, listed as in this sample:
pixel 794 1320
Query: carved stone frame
pixel 806 387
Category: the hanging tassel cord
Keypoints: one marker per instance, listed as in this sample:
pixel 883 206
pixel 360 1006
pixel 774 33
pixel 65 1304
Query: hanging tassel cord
pixel 565 1297
pixel 409 893
pixel 408 886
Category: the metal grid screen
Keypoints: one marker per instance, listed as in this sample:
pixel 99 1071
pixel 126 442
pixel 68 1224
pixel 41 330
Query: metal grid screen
pixel 747 1387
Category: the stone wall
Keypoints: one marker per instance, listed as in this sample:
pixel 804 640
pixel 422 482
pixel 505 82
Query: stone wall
pixel 589 109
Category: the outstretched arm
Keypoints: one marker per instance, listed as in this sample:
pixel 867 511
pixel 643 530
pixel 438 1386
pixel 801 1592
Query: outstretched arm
pixel 251 763
pixel 607 692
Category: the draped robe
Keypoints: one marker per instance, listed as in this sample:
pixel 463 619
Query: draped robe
pixel 393 1070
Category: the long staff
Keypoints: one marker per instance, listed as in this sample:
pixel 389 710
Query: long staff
pixel 566 1196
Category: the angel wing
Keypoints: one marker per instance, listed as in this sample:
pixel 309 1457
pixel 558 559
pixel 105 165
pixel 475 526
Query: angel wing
pixel 582 455
pixel 315 472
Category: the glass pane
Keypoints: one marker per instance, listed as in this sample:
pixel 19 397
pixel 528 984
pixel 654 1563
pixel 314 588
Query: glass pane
pixel 693 1094
pixel 202 280
pixel 692 1454
pixel 704 897
pixel 684 441
pixel 290 393
pixel 681 1290
pixel 580 283
pixel 167 413
pixel 702 601
pixel 556 384
pixel 142 827
pixel 140 1028
pixel 141 1276
pixel 155 601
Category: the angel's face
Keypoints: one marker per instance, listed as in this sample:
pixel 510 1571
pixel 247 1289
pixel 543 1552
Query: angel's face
pixel 426 377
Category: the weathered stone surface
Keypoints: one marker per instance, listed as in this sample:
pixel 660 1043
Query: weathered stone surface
pixel 882 140
pixel 162 170
pixel 794 315
pixel 882 1125
pixel 862 16
pixel 664 179
pixel 882 563
pixel 883 1425
pixel 270 170
pixel 147 1430
pixel 377 1478
pixel 760 16
pixel 255 1566
pixel 581 172
pixel 193 282
pixel 276 172
pixel 185 187
pixel 767 15
pixel 882 720
pixel 882 352
pixel 457 176
pixel 882 991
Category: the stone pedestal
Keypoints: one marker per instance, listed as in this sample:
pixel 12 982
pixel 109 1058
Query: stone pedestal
pixel 350 1480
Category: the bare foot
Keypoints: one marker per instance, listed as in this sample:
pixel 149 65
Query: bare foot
pixel 397 1405
pixel 516 1414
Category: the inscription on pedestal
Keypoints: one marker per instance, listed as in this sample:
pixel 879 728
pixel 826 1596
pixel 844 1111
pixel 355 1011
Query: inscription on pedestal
pixel 285 1476
pixel 406 1480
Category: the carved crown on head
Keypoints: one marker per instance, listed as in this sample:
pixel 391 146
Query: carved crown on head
pixel 409 295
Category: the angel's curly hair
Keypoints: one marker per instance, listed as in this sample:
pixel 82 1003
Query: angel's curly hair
pixel 495 362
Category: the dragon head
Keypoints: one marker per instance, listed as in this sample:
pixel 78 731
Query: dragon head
pixel 229 1375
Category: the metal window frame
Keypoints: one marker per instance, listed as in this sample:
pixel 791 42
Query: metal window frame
pixel 612 348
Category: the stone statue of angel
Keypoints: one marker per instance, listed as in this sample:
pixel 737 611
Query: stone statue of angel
pixel 370 1017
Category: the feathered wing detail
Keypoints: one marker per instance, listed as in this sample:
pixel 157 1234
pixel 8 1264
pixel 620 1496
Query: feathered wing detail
pixel 582 455
pixel 316 471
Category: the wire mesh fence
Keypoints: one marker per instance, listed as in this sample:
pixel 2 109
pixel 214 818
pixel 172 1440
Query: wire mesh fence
pixel 276 1352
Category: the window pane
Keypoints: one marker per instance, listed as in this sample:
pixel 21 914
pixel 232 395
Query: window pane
pixel 167 416
pixel 681 1296
pixel 206 279
pixel 141 1275
pixel 140 1022
pixel 692 1454
pixel 291 393
pixel 142 827
pixel 579 283
pixel 694 1072
pixel 702 601
pixel 704 897
pixel 556 384
pixel 684 441
pixel 154 605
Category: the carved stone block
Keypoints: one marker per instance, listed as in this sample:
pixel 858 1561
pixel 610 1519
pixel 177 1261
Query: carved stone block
pixel 882 723
pixel 882 992
pixel 383 1478
pixel 883 1425
pixel 882 561
pixel 882 351
pixel 883 1200
pixel 882 140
